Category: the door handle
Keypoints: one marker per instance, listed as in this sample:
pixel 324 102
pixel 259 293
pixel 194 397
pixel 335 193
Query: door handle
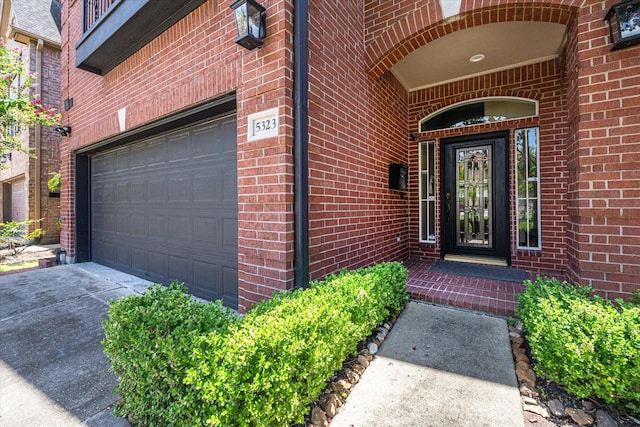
pixel 448 205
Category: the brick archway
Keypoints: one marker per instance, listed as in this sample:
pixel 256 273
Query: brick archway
pixel 391 39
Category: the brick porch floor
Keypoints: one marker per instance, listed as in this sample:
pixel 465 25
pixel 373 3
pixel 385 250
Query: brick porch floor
pixel 490 296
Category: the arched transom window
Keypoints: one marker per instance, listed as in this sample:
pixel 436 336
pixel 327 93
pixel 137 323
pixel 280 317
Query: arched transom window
pixel 479 111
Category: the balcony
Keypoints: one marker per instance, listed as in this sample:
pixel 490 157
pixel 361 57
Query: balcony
pixel 116 29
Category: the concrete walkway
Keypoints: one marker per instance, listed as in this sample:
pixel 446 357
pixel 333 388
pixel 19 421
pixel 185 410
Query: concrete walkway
pixel 438 367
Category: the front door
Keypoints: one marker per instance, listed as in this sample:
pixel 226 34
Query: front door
pixel 475 196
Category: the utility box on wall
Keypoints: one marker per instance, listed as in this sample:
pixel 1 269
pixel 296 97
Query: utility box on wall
pixel 398 177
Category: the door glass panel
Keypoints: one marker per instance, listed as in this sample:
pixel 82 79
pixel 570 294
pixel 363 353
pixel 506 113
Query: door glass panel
pixel 474 197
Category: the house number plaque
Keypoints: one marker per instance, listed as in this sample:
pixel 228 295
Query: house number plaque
pixel 263 125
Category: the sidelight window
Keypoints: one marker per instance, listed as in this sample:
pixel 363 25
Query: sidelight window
pixel 528 188
pixel 427 192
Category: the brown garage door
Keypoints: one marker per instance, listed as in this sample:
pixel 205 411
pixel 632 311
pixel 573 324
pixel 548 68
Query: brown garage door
pixel 166 208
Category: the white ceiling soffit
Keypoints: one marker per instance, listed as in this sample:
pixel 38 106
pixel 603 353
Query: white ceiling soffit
pixel 504 45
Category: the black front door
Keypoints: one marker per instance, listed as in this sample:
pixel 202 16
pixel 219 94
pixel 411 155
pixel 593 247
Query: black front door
pixel 475 196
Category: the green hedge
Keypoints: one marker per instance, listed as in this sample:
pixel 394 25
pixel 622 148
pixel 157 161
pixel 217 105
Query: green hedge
pixel 585 343
pixel 274 364
pixel 185 363
pixel 149 341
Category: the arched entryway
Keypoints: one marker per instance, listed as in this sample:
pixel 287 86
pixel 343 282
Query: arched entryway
pixel 448 60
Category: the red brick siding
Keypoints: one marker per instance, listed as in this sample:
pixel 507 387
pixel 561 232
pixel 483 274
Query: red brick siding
pixel 49 140
pixel 605 158
pixel 193 61
pixel 541 82
pixel 601 142
pixel 357 128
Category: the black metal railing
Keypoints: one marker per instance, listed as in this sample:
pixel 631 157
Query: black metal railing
pixel 93 10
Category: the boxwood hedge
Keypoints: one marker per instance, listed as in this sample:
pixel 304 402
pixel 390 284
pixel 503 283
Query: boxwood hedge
pixel 590 345
pixel 184 363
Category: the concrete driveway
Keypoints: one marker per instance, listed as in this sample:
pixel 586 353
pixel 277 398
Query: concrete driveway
pixel 53 371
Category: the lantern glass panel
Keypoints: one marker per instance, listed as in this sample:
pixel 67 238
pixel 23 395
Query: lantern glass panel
pixel 628 15
pixel 242 21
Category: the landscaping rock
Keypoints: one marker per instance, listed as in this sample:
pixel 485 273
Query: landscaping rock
pixel 522 357
pixel 536 409
pixel 580 417
pixel 588 406
pixel 525 390
pixel 367 355
pixel 358 369
pixel 341 386
pixel 363 360
pixel 352 377
pixel 525 374
pixel 380 337
pixel 318 418
pixel 383 331
pixel 372 347
pixel 557 408
pixel 603 419
pixel 330 404
pixel 517 340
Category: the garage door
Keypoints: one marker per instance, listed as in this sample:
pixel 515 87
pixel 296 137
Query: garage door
pixel 18 201
pixel 166 208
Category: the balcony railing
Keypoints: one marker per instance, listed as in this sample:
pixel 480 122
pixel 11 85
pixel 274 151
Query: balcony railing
pixel 93 10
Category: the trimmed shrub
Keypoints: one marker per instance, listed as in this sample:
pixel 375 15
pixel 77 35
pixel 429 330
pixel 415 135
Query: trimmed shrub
pixel 149 339
pixel 585 343
pixel 270 367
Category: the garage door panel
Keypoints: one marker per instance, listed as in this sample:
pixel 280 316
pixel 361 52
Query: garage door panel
pixel 171 210
pixel 207 188
pixel 179 189
pixel 230 233
pixel 180 269
pixel 158 227
pixel 157 153
pixel 179 229
pixel 138 157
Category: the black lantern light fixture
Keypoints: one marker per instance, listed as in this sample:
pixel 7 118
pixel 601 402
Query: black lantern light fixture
pixel 250 19
pixel 64 130
pixel 624 24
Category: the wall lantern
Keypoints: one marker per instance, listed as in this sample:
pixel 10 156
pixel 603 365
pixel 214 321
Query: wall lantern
pixel 624 24
pixel 64 130
pixel 250 23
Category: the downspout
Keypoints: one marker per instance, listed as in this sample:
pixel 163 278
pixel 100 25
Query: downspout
pixel 38 133
pixel 301 143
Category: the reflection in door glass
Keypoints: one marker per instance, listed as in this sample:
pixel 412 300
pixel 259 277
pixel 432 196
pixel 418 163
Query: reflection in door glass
pixel 473 184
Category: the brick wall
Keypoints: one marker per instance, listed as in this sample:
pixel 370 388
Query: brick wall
pixel 49 158
pixel 194 61
pixel 542 82
pixel 357 128
pixel 604 158
pixel 601 102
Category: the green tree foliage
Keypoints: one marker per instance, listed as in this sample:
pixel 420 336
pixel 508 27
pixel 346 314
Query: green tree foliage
pixel 16 235
pixel 20 108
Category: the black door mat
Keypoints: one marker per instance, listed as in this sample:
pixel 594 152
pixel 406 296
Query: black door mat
pixel 480 270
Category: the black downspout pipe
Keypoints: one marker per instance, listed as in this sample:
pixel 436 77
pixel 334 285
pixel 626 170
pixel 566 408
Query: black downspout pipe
pixel 301 142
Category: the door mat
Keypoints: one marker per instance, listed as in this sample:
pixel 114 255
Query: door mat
pixel 478 270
